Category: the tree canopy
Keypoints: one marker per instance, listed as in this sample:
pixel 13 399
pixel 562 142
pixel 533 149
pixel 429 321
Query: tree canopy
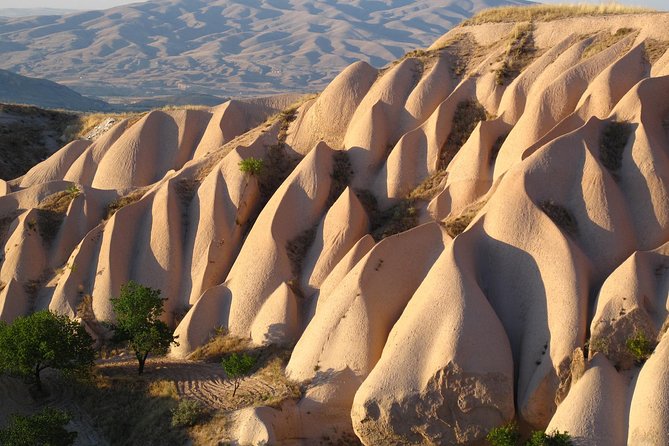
pixel 42 340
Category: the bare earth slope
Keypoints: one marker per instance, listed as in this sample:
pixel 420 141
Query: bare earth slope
pixel 222 47
pixel 472 235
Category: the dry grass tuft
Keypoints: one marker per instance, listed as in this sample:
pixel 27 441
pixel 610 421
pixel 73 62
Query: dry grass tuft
pixel 399 218
pixel 519 54
pixel 52 211
pixel 86 123
pixel 430 187
pixel 121 202
pixel 163 389
pixel 219 346
pixel 456 225
pixel 656 49
pixel 548 13
pixel 604 41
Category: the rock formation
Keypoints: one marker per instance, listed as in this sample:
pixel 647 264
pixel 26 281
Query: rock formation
pixel 475 234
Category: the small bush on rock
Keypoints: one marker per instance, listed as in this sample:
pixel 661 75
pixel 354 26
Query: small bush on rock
pixel 640 347
pixel 252 166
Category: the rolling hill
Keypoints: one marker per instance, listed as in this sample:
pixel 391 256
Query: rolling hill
pixel 17 89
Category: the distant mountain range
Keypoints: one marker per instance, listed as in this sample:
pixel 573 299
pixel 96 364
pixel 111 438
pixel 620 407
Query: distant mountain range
pixel 222 47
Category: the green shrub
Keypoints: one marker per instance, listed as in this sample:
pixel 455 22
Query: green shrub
pixel 237 367
pixel 187 413
pixel 252 166
pixel 557 438
pixel 506 435
pixel 46 428
pixel 509 435
pixel 640 347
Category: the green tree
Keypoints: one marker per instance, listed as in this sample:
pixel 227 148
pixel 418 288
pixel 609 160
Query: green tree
pixel 46 428
pixel 237 367
pixel 138 309
pixel 42 340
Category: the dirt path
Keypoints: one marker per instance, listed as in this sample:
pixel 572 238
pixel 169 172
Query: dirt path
pixel 203 381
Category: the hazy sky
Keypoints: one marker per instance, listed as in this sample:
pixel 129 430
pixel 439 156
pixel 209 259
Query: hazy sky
pixel 65 4
pixel 102 4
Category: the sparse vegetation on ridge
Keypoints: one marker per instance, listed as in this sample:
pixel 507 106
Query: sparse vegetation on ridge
pixel 123 201
pixel 604 41
pixel 547 13
pixel 519 54
pixel 655 49
pixel 86 123
pixel 456 225
pixel 52 211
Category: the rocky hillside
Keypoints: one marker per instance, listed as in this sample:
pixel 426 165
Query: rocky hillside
pixel 223 47
pixel 474 234
pixel 17 89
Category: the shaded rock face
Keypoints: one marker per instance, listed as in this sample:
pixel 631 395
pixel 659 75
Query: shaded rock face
pixel 453 408
pixel 435 239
